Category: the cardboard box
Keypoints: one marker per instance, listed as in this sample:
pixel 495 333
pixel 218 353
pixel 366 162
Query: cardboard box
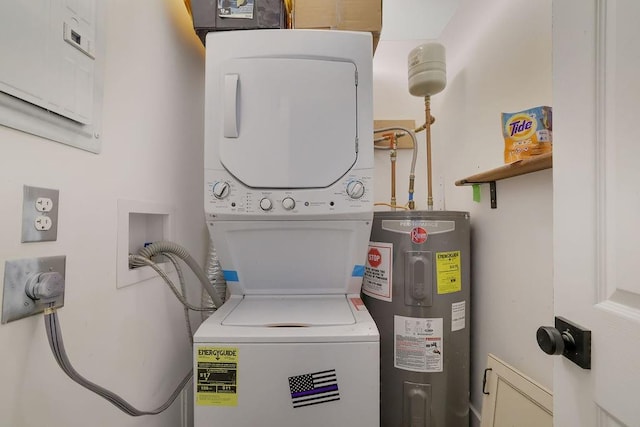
pixel 351 15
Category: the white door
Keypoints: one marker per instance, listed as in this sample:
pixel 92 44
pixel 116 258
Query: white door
pixel 596 53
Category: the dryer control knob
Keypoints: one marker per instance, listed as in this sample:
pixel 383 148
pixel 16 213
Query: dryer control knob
pixel 355 189
pixel 220 190
pixel 265 204
pixel 288 203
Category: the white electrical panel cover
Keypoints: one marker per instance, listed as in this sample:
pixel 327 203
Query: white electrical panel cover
pixel 48 51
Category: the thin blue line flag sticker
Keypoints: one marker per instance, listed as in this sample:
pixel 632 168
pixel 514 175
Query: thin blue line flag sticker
pixel 313 389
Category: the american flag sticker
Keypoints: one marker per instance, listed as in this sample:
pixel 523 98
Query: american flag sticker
pixel 313 389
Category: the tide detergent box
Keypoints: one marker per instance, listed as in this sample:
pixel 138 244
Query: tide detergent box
pixel 527 133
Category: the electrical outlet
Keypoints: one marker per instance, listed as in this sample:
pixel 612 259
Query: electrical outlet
pixel 44 204
pixel 39 214
pixel 30 285
pixel 43 223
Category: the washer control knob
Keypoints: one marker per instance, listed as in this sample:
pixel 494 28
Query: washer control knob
pixel 355 189
pixel 288 203
pixel 265 204
pixel 221 190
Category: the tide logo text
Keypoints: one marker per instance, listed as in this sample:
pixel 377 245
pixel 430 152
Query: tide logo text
pixel 520 126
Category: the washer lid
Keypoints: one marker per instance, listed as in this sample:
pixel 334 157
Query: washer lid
pixel 303 311
pixel 288 122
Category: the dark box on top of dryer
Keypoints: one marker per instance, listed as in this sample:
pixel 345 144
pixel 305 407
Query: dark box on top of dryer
pixel 225 15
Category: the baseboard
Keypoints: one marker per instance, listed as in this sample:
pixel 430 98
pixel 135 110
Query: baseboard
pixel 476 418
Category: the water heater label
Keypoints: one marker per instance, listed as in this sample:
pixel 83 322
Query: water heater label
pixel 378 271
pixel 458 316
pixel 217 380
pixel 418 344
pixel 448 271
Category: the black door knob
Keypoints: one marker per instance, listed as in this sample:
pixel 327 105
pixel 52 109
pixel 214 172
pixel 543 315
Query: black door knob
pixel 568 339
pixel 550 340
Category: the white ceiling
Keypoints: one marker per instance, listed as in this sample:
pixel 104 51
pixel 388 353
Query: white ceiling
pixel 415 19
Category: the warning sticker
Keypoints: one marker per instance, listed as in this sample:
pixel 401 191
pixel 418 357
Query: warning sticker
pixel 418 345
pixel 378 271
pixel 458 316
pixel 448 271
pixel 217 380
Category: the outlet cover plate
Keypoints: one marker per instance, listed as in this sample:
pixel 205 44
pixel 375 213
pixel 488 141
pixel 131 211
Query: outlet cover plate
pixel 30 214
pixel 16 304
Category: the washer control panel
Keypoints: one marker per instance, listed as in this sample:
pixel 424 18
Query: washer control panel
pixel 224 195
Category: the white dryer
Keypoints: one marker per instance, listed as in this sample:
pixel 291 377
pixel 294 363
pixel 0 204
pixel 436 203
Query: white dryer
pixel 289 204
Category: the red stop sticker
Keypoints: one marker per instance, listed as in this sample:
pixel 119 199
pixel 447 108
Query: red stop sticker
pixel 374 258
pixel 418 235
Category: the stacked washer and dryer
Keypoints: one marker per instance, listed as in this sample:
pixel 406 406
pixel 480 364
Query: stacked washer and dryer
pixel 289 206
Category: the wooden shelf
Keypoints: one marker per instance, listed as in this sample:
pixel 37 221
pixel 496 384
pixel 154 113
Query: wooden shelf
pixel 520 167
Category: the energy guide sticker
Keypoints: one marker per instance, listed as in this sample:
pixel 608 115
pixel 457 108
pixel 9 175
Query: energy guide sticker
pixel 448 272
pixel 217 380
pixel 378 271
pixel 418 344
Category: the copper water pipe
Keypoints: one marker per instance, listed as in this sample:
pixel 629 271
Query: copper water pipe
pixel 424 126
pixel 428 121
pixel 393 155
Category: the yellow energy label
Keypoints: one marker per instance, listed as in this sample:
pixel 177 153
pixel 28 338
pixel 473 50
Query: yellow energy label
pixel 448 272
pixel 217 379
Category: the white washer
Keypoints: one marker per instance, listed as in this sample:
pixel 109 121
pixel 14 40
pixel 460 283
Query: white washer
pixel 289 204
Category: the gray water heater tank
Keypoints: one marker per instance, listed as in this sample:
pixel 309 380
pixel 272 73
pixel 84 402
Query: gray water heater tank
pixel 417 289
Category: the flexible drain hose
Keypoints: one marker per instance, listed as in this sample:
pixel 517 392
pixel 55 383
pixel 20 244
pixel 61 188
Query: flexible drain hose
pixel 214 273
pixel 183 292
pixel 54 335
pixel 157 248
pixel 137 259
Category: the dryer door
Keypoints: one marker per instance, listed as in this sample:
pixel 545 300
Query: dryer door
pixel 288 122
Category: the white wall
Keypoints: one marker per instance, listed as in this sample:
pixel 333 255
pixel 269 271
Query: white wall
pixel 130 340
pixel 498 60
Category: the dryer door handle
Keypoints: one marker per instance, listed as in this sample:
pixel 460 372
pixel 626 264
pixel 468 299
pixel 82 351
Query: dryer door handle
pixel 231 83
